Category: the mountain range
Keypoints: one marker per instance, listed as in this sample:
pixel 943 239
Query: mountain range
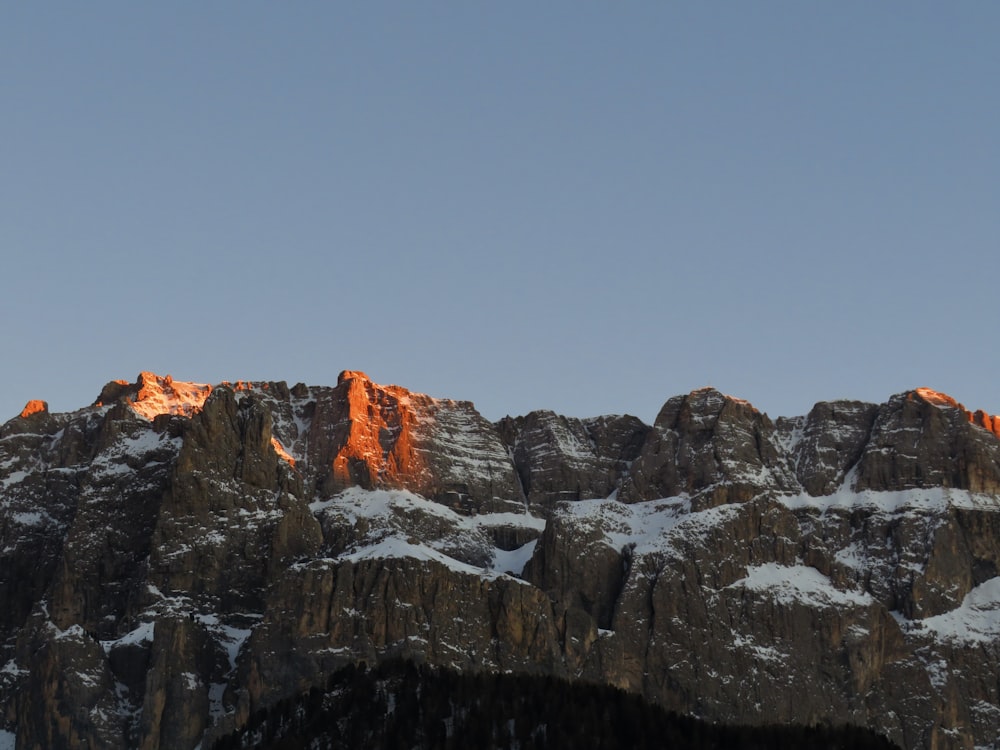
pixel 178 557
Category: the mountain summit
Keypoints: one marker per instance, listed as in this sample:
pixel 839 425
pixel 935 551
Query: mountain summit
pixel 178 556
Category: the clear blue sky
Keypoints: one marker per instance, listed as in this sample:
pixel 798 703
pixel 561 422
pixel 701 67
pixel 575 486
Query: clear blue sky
pixel 581 206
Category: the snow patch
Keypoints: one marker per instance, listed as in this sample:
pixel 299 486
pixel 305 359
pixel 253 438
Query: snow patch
pixel 396 547
pixel 11 668
pixel 142 634
pixel 513 561
pixel 651 527
pixel 799 583
pixel 32 518
pixel 216 708
pixel 355 504
pixel 401 523
pixel 73 631
pixel 642 526
pixel 168 396
pixel 230 637
pixel 976 620
pixel 767 654
pixel 926 499
pixel 15 477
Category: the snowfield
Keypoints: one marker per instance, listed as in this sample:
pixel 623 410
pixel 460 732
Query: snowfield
pixel 800 583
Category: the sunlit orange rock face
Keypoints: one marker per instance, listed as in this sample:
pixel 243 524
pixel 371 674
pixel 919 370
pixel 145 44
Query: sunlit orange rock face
pixel 936 397
pixel 364 434
pixel 923 438
pixel 987 422
pixel 375 434
pixel 34 407
pixel 280 450
pixel 163 395
pixel 978 417
pixel 152 395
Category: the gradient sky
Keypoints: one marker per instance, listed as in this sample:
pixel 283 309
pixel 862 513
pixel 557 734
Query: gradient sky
pixel 588 207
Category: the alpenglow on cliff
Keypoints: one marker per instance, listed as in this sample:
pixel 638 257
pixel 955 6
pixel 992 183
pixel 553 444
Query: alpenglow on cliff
pixel 178 556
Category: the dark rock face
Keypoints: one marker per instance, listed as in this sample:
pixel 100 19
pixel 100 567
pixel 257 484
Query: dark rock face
pixel 589 583
pixel 561 458
pixel 326 613
pixel 718 616
pixel 828 442
pixel 713 447
pixel 923 439
pixel 374 436
pixel 179 555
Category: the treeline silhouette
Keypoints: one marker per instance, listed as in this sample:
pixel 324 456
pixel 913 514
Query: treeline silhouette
pixel 399 705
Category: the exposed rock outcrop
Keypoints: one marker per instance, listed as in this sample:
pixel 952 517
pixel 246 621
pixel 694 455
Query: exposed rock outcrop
pixel 178 555
pixel 710 446
pixel 923 439
pixel 563 458
pixel 827 443
pixel 34 407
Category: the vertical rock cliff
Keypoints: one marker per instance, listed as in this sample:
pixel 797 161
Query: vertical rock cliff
pixel 177 556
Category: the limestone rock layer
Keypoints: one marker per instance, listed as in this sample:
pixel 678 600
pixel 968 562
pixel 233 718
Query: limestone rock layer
pixel 178 555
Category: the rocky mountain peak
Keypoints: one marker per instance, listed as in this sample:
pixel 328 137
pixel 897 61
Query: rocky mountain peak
pixel 826 443
pixel 377 426
pixel 346 375
pixel 151 395
pixel 701 409
pixel 564 458
pixel 372 435
pixel 181 556
pixel 988 422
pixel 714 447
pixel 923 438
pixel 935 397
pixel 34 407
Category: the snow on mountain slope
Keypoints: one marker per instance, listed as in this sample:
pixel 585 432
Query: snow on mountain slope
pixel 398 523
pixel 917 499
pixel 799 582
pixel 975 621
pixel 163 395
pixel 185 550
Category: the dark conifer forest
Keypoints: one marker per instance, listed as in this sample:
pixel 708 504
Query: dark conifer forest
pixel 401 706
